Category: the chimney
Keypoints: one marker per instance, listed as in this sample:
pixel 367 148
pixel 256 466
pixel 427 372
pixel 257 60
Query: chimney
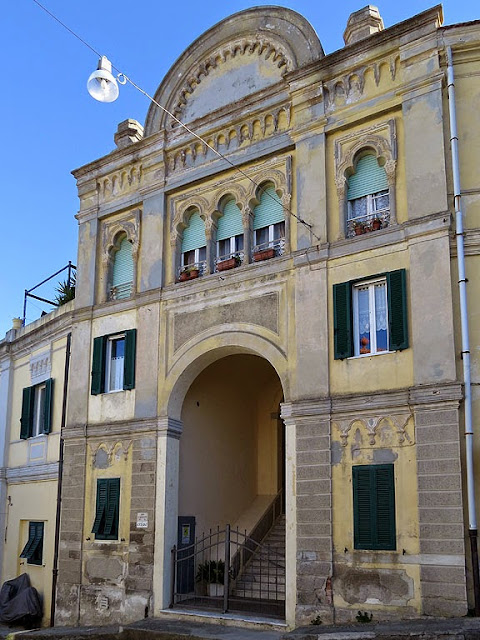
pixel 363 23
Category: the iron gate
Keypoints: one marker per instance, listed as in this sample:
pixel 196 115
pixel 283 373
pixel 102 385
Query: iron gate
pixel 232 571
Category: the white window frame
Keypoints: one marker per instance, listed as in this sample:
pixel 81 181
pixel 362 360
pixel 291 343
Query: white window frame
pixel 108 362
pixel 372 210
pixel 38 413
pixel 197 259
pixel 370 284
pixel 271 235
pixel 233 246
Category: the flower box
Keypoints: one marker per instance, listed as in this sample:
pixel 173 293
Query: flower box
pixel 189 275
pixel 264 254
pixel 225 265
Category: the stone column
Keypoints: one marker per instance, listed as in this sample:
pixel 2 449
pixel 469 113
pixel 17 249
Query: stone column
pixel 442 551
pixel 247 219
pixel 5 412
pixel 309 510
pixel 166 509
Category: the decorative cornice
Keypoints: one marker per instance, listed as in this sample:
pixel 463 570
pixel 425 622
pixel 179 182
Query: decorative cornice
pixel 32 473
pixel 229 138
pixel 396 423
pixel 169 427
pixel 120 182
pixel 111 449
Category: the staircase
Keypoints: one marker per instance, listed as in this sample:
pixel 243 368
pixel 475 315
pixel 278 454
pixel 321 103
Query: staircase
pixel 263 578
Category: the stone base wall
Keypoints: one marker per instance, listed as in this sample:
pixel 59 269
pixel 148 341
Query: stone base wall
pixel 107 583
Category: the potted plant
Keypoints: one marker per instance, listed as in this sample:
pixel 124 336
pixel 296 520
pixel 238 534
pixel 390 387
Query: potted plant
pixel 358 228
pixel 211 572
pixel 264 254
pixel 229 263
pixel 189 273
pixel 376 224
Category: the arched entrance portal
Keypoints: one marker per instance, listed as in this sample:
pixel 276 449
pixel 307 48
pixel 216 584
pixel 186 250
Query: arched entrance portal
pixel 231 472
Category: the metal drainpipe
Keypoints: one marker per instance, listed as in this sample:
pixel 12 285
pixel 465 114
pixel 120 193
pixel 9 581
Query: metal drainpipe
pixel 462 288
pixel 59 485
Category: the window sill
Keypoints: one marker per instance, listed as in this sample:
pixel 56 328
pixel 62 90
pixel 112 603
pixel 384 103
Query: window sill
pixel 369 355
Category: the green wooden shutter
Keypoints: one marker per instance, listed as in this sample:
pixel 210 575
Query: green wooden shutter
pixel 269 210
pixel 129 361
pixel 101 505
pixel 230 224
pixel 47 415
pixel 374 507
pixel 98 365
pixel 31 540
pixel 369 177
pixel 26 421
pixel 194 235
pixel 112 509
pixel 342 320
pixel 385 507
pixel 397 310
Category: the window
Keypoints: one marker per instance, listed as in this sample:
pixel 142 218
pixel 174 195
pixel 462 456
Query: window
pixel 105 525
pixel 36 410
pixel 113 366
pixel 122 271
pixel 230 232
pixel 33 550
pixel 368 197
pixel 268 222
pixel 374 507
pixel 370 316
pixel 194 244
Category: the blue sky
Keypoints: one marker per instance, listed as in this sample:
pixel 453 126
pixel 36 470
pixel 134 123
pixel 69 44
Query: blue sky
pixel 50 125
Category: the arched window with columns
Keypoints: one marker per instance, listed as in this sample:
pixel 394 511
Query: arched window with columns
pixel 194 244
pixel 368 196
pixel 230 234
pixel 268 224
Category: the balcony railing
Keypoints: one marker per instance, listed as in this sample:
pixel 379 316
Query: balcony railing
pixel 192 270
pixel 229 261
pixel 370 222
pixel 121 291
pixel 268 250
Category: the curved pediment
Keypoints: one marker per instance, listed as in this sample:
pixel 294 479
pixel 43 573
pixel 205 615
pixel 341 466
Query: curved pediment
pixel 239 56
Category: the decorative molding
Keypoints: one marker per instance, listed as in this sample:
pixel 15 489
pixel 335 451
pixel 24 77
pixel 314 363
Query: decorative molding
pixel 32 473
pixel 40 367
pixel 130 225
pixel 229 139
pixel 267 47
pixel 169 427
pixel 113 450
pixel 397 423
pixel 125 180
pixel 349 88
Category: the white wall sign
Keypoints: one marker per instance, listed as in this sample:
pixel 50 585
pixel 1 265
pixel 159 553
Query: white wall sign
pixel 142 520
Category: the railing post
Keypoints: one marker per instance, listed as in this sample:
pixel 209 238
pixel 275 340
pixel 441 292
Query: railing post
pixel 226 574
pixel 174 574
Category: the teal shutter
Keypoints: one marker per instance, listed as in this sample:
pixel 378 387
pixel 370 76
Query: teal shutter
pixel 112 508
pixel 123 269
pixel 369 177
pixel 342 320
pixel 98 365
pixel 397 309
pixel 26 421
pixel 374 507
pixel 47 416
pixel 33 550
pixel 194 235
pixel 230 224
pixel 269 210
pixel 129 361
pixel 101 506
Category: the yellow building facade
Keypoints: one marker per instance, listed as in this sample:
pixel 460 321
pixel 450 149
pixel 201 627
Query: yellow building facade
pixel 266 335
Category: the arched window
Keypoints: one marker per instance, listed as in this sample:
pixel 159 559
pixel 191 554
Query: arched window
pixel 268 225
pixel 368 197
pixel 194 245
pixel 230 235
pixel 122 271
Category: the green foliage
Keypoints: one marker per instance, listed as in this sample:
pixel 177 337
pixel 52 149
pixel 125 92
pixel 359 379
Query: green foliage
pixel 65 291
pixel 211 571
pixel 364 617
pixel 316 620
